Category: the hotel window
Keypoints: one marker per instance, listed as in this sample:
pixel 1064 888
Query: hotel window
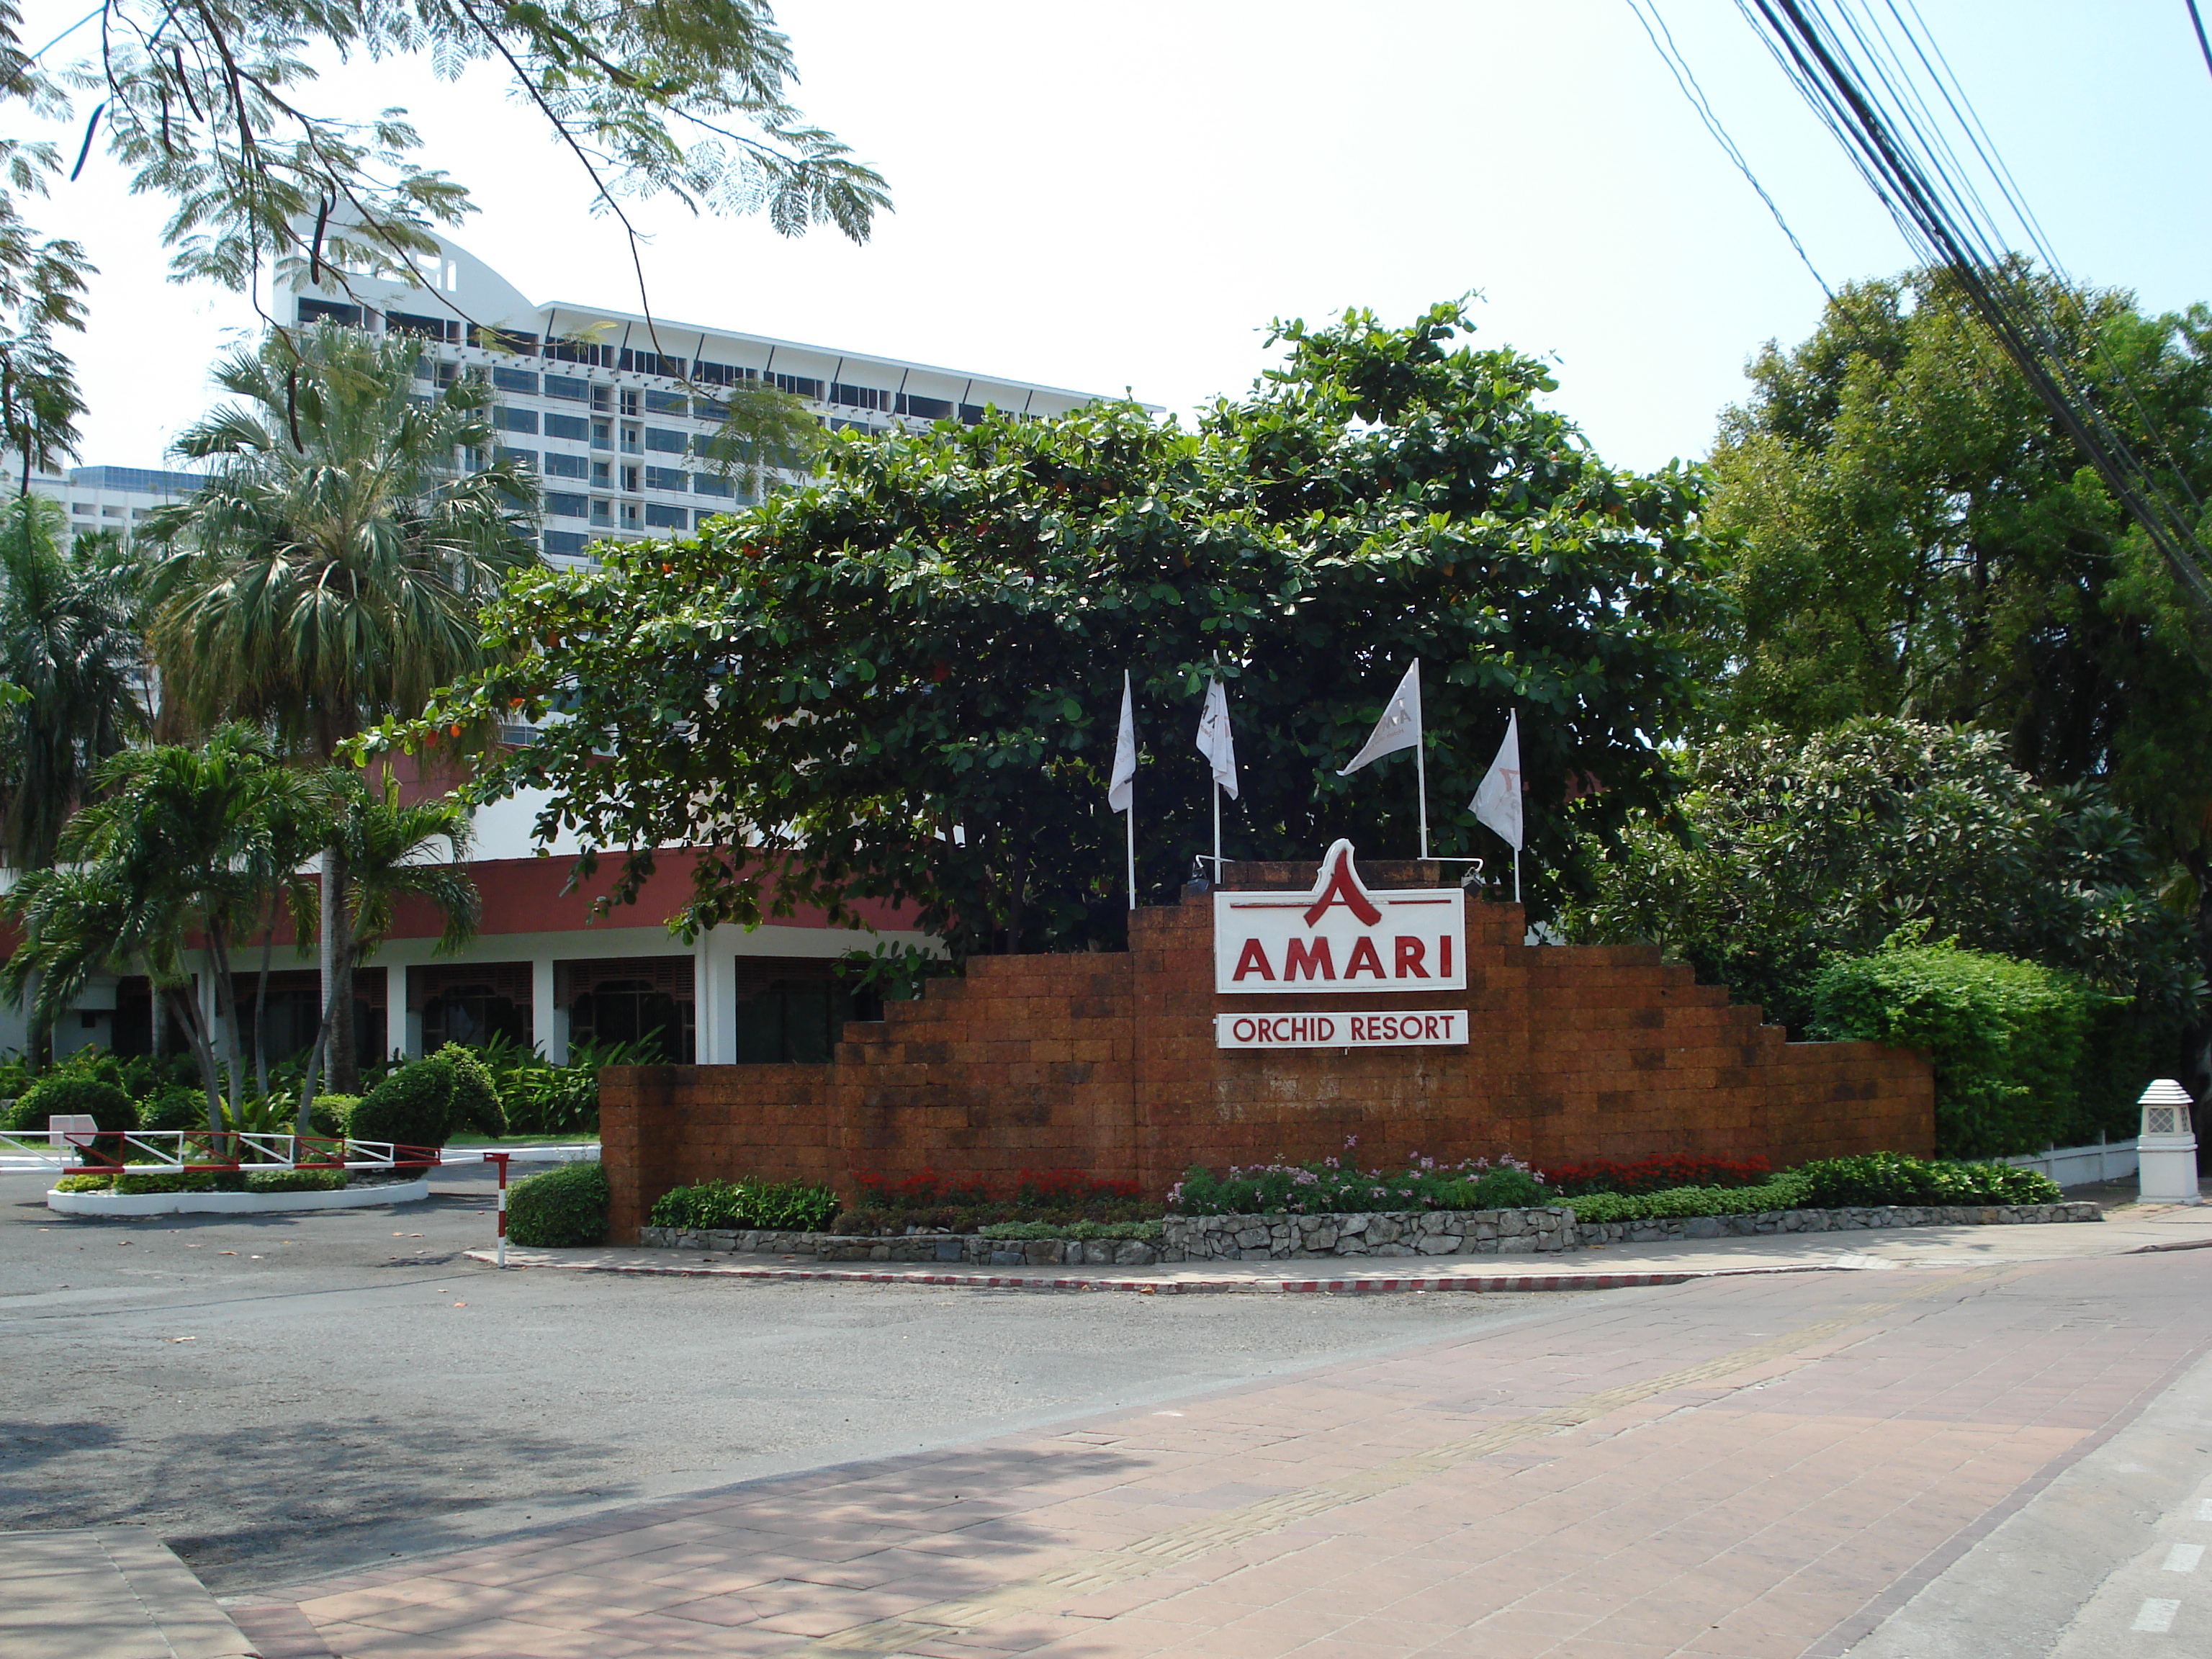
pixel 602 436
pixel 629 515
pixel 558 465
pixel 668 402
pixel 515 379
pixel 527 457
pixel 567 543
pixel 603 513
pixel 661 439
pixel 666 477
pixel 515 420
pixel 568 386
pixel 575 427
pixel 630 400
pixel 710 483
pixel 559 505
pixel 665 518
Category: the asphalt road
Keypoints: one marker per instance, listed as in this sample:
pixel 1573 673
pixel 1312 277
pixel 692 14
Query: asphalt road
pixel 284 1396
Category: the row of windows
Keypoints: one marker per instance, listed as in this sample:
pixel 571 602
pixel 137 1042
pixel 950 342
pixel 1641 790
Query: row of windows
pixel 562 504
pixel 665 403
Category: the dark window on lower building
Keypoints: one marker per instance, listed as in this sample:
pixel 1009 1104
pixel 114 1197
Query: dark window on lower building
pixel 515 379
pixel 442 329
pixel 927 409
pixel 523 457
pixel 711 483
pixel 972 414
pixel 634 1012
pixel 567 385
pixel 329 311
pixel 666 517
pixel 569 543
pixel 575 427
pixel 668 402
pixel 790 1013
pixel 660 439
pixel 562 505
pixel 558 465
pixel 666 477
pixel 515 420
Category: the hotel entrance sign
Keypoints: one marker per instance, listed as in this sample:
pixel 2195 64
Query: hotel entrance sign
pixel 1340 937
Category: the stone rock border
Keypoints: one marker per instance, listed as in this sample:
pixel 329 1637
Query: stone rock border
pixel 1547 1232
pixel 138 1204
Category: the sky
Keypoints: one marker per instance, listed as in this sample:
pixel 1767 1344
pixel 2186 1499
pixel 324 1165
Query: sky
pixel 1121 197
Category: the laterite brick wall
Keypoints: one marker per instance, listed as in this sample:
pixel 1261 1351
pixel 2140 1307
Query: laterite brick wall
pixel 1108 1064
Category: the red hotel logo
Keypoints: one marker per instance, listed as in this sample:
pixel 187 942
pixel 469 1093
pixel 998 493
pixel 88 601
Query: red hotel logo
pixel 1340 937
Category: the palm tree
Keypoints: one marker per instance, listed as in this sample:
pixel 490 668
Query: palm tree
pixel 387 850
pixel 180 844
pixel 69 640
pixel 331 572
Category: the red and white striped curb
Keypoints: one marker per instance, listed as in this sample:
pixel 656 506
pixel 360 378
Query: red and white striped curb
pixel 1180 1286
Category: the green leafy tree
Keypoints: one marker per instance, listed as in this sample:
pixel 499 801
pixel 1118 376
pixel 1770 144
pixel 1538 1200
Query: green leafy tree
pixel 172 855
pixel 212 106
pixel 331 571
pixel 390 850
pixel 1783 853
pixel 903 681
pixel 69 642
pixel 1918 537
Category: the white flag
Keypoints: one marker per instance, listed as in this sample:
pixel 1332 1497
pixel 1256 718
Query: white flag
pixel 1214 741
pixel 1400 726
pixel 1121 789
pixel 1498 802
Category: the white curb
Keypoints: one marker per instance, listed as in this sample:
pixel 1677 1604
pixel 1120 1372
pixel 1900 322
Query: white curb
pixel 345 1198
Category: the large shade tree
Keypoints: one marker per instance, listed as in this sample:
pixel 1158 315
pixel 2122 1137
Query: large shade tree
pixel 903 681
pixel 331 572
pixel 1918 536
pixel 215 106
pixel 69 642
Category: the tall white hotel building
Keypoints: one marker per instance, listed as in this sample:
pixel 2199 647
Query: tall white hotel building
pixel 612 413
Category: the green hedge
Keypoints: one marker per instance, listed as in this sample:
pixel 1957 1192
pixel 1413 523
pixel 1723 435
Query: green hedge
pixel 72 1096
pixel 1146 1231
pixel 2006 1037
pixel 796 1206
pixel 412 1106
pixel 1869 1180
pixel 561 1209
pixel 475 1100
pixel 295 1181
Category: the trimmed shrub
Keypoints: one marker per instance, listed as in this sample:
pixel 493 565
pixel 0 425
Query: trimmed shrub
pixel 1146 1231
pixel 475 1100
pixel 177 1106
pixel 161 1181
pixel 2005 1036
pixel 1783 1193
pixel 1657 1175
pixel 65 1094
pixel 412 1106
pixel 295 1181
pixel 84 1183
pixel 562 1209
pixel 728 1206
pixel 1329 1188
pixel 1894 1178
pixel 333 1113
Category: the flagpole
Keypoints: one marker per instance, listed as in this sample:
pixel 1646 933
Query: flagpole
pixel 1217 832
pixel 1132 816
pixel 1516 875
pixel 1421 783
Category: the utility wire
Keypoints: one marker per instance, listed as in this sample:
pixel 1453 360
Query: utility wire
pixel 1647 13
pixel 2197 21
pixel 1904 163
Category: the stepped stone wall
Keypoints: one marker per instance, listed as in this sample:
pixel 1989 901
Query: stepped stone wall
pixel 1107 1063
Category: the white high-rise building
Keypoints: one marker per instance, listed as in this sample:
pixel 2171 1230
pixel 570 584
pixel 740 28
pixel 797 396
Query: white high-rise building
pixel 112 497
pixel 613 411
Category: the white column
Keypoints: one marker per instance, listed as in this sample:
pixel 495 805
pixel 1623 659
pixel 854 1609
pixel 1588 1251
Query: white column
pixel 714 1009
pixel 548 1025
pixel 409 1020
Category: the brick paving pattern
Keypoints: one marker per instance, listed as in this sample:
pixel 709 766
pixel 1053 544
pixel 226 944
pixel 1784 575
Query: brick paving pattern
pixel 1731 1467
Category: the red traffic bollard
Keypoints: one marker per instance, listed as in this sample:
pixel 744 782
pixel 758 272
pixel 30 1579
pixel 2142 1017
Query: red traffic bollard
pixel 501 1159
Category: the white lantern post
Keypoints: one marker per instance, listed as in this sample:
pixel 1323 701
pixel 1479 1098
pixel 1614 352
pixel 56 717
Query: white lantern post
pixel 2166 1147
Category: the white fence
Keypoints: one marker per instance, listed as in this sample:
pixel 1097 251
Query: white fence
pixel 153 1150
pixel 2081 1166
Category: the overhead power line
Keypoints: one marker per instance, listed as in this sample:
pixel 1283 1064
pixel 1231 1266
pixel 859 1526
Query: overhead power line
pixel 1857 79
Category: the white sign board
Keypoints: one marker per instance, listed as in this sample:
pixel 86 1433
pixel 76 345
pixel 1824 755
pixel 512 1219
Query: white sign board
pixel 1340 937
pixel 1424 1028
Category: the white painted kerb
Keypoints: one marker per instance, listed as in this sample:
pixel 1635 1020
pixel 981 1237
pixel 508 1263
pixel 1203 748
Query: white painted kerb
pixel 345 1198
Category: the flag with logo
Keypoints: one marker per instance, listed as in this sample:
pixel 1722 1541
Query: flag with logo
pixel 1121 787
pixel 1498 802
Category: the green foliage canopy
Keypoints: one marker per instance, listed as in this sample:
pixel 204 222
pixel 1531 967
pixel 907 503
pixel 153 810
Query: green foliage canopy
pixel 2006 1037
pixel 1784 851
pixel 902 682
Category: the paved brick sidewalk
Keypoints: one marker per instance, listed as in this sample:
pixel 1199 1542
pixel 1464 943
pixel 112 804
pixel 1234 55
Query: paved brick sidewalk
pixel 1730 1467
